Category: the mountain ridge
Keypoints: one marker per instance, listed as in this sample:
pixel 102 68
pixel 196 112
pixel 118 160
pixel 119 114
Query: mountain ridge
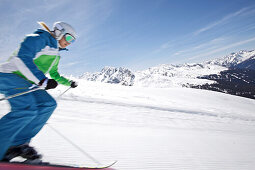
pixel 171 75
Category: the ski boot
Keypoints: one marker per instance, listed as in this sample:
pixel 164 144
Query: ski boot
pixel 11 153
pixel 25 151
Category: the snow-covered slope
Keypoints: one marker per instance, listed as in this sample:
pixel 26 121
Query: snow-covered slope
pixel 149 128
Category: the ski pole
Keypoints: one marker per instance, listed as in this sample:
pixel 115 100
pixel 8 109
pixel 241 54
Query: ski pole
pixel 29 91
pixel 69 141
pixel 22 93
pixel 73 144
pixel 63 93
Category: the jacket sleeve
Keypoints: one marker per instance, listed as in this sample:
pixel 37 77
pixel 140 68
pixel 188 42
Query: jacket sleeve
pixel 56 76
pixel 24 60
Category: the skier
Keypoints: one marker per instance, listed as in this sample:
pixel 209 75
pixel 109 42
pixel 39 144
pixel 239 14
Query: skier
pixel 37 56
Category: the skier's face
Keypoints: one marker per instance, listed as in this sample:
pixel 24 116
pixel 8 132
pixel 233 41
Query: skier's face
pixel 63 43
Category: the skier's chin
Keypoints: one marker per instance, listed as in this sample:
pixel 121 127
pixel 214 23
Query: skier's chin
pixel 62 45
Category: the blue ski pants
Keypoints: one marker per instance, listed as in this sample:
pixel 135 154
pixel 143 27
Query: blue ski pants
pixel 28 114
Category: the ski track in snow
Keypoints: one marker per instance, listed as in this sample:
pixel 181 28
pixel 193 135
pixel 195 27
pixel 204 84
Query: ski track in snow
pixel 149 107
pixel 144 136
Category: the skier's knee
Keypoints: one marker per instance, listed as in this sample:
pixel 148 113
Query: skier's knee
pixel 52 104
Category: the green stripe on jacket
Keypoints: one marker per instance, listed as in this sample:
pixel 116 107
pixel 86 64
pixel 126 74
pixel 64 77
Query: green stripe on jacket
pixel 44 62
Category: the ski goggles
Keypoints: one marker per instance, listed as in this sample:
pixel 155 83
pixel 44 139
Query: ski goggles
pixel 69 38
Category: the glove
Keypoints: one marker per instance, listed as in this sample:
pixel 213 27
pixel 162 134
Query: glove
pixel 73 84
pixel 48 84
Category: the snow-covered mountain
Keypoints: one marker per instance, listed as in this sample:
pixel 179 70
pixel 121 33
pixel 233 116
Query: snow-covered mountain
pixel 169 75
pixel 238 79
pixel 247 64
pixel 176 75
pixel 233 59
pixel 112 75
pixel 188 74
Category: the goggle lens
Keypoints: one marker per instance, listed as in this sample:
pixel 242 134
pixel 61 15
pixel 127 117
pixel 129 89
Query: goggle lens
pixel 69 38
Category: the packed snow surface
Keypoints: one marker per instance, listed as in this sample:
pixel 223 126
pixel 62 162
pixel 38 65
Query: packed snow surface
pixel 149 128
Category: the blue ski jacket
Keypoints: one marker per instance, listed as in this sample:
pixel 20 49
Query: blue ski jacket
pixel 38 55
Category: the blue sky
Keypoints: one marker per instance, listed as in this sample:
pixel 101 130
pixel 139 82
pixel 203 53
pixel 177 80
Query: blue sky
pixel 135 34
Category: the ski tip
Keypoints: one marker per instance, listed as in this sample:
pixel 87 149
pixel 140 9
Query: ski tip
pixel 49 166
pixel 106 166
pixel 113 163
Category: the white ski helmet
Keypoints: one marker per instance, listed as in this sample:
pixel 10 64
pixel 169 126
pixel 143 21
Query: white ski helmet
pixel 61 28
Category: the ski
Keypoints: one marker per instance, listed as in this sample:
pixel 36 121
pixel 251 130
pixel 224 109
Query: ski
pixel 49 166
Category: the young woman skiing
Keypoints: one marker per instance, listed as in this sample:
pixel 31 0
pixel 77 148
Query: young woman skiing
pixel 37 56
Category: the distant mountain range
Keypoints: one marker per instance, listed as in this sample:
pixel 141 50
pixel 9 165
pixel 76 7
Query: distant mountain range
pixel 238 79
pixel 232 74
pixel 120 75
pixel 233 59
pixel 247 64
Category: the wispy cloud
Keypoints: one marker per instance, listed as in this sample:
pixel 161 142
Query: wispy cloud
pixel 222 20
pixel 83 15
pixel 252 27
pixel 167 45
pixel 211 44
pixel 70 64
pixel 222 48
